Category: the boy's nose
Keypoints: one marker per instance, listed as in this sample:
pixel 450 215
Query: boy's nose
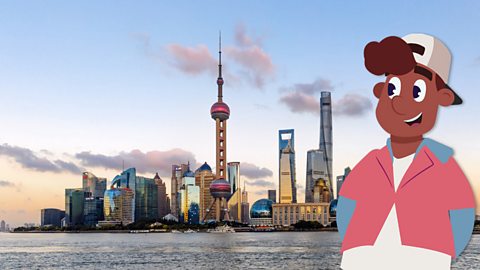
pixel 399 105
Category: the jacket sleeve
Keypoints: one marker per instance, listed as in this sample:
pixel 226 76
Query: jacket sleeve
pixel 345 209
pixel 461 206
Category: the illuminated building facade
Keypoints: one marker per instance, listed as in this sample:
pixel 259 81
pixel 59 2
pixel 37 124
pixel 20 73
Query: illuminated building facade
pixel 203 179
pixel 118 205
pixel 287 178
pixel 316 170
pixel 190 199
pixel 286 214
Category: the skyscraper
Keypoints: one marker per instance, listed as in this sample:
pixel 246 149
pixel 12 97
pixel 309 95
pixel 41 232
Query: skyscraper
pixel 203 179
pixel 287 178
pixel 220 112
pixel 93 210
pixel 245 206
pixel 341 179
pixel 118 205
pixel 2 226
pixel 190 199
pixel 52 217
pixel 235 200
pixel 272 195
pixel 146 199
pixel 74 199
pixel 162 202
pixel 126 180
pixel 95 185
pixel 233 175
pixel 176 183
pixel 316 169
pixel 326 134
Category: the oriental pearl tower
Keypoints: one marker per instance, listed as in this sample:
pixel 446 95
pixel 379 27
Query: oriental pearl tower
pixel 220 112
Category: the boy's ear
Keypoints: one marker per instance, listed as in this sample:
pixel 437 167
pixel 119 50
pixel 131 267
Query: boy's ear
pixel 377 89
pixel 445 97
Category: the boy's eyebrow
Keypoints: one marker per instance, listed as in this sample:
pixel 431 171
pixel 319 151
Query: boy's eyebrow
pixel 423 71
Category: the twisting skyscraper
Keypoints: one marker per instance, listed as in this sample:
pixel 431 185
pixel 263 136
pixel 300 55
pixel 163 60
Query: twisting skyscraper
pixel 326 134
pixel 220 112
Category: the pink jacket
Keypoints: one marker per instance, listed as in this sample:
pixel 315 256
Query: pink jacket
pixel 428 190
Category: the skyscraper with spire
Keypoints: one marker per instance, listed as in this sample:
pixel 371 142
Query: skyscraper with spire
pixel 220 112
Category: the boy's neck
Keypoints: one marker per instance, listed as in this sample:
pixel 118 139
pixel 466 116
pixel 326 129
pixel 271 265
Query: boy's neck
pixel 404 146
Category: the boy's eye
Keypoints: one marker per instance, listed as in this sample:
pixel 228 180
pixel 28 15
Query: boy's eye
pixel 419 90
pixel 394 87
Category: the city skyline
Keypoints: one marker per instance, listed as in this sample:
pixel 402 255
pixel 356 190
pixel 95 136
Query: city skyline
pixel 83 95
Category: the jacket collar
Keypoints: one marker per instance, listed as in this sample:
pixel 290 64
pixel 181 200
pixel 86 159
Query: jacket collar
pixel 422 161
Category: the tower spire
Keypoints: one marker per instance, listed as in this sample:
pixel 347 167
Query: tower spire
pixel 220 79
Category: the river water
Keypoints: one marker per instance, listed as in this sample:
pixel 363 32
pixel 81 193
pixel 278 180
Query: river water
pixel 277 250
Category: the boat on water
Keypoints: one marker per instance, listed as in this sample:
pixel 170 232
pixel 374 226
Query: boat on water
pixel 189 231
pixel 175 231
pixel 222 229
pixel 139 231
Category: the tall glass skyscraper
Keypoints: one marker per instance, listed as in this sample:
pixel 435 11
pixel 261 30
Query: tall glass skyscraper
pixel 95 185
pixel 74 198
pixel 118 205
pixel 316 170
pixel 146 198
pixel 287 178
pixel 233 175
pixel 326 134
pixel 190 199
pixel 127 179
pixel 203 179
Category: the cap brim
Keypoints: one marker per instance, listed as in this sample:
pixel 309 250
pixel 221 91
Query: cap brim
pixel 457 99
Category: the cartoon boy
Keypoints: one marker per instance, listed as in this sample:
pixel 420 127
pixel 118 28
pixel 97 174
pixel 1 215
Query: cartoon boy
pixel 407 205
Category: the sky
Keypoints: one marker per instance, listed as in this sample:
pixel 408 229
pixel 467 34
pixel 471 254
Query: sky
pixel 87 85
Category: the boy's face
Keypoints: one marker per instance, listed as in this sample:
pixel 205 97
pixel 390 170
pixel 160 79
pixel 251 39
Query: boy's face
pixel 408 104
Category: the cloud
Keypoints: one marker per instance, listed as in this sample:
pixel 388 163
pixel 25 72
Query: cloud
pixel 248 61
pixel 303 98
pixel 30 160
pixel 192 60
pixel 260 183
pixel 4 183
pixel 252 171
pixel 299 102
pixel 144 162
pixel 352 105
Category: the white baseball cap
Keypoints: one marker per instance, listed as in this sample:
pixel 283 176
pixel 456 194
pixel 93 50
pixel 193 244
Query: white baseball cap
pixel 432 52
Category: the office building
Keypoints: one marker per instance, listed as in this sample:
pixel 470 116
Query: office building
pixel 175 184
pixel 287 176
pixel 203 179
pixel 74 198
pixel 190 199
pixel 233 175
pixel 93 210
pixel 95 185
pixel 118 205
pixel 146 199
pixel 51 217
pixel 163 203
pixel 316 170
pixel 341 179
pixel 2 226
pixel 286 214
pixel 245 206
pixel 272 195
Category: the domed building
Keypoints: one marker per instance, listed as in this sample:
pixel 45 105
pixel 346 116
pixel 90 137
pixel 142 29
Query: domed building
pixel 261 213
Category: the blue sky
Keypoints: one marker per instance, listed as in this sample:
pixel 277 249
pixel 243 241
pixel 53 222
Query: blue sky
pixel 108 78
